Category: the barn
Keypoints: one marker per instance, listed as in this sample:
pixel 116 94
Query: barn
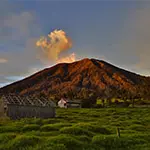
pixel 16 107
pixel 66 103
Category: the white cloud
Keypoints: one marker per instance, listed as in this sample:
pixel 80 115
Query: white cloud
pixel 3 60
pixel 18 32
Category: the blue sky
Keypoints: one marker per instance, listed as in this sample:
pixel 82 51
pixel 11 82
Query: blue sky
pixel 117 32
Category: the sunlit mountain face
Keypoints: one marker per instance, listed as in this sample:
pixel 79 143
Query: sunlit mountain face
pixel 89 75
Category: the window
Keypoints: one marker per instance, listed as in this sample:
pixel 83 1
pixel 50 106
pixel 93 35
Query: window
pixel 5 109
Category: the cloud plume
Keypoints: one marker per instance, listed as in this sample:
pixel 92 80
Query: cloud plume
pixel 54 44
pixel 68 59
pixel 3 60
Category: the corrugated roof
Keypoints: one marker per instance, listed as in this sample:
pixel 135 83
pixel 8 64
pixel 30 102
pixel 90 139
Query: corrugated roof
pixel 27 100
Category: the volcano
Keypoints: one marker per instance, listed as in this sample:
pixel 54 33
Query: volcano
pixel 88 75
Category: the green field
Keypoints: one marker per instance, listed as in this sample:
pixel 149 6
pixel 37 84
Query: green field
pixel 80 129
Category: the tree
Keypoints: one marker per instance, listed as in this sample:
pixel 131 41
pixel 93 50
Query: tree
pixel 108 95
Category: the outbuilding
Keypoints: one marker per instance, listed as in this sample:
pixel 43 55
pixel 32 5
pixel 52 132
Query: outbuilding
pixel 16 107
pixel 66 103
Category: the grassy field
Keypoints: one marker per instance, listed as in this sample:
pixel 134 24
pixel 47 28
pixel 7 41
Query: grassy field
pixel 80 129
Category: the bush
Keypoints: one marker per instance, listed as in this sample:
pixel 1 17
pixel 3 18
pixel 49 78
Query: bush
pixel 30 127
pixel 42 134
pixel 37 121
pixel 9 129
pixel 87 103
pixel 93 128
pixel 53 127
pixel 112 141
pixel 50 121
pixel 51 146
pixel 83 138
pixel 145 136
pixel 49 127
pixel 137 127
pixel 22 141
pixel 75 131
pixel 69 141
pixel 4 138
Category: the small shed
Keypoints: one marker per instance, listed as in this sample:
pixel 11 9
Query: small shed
pixel 66 103
pixel 16 107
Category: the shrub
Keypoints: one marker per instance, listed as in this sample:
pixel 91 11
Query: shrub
pixel 112 141
pixel 136 122
pixel 32 121
pixel 69 141
pixel 53 127
pixel 38 121
pixel 137 127
pixel 9 129
pixel 93 128
pixel 22 141
pixel 42 134
pixel 75 131
pixel 30 127
pixel 49 127
pixel 83 138
pixel 51 146
pixel 58 134
pixel 4 138
pixel 50 121
pixel 145 136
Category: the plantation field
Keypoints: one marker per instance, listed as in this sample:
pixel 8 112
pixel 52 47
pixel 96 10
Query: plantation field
pixel 80 129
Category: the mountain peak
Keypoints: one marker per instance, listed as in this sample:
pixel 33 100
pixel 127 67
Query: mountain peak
pixel 90 74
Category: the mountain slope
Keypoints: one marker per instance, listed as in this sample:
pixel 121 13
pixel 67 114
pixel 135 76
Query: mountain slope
pixel 87 74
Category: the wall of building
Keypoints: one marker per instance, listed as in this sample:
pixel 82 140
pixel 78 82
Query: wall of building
pixel 73 105
pixel 62 104
pixel 17 112
pixel 2 114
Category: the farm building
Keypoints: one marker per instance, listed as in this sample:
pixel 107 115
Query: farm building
pixel 66 103
pixel 16 107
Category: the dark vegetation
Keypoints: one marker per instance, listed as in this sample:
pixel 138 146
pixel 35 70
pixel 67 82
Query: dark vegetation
pixel 80 129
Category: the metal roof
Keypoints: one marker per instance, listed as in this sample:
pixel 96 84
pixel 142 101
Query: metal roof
pixel 27 100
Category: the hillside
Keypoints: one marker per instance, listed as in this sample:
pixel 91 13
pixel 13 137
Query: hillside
pixel 81 77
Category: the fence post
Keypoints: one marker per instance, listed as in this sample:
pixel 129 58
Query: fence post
pixel 118 132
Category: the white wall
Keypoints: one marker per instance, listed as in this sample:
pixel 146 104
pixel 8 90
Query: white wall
pixel 62 103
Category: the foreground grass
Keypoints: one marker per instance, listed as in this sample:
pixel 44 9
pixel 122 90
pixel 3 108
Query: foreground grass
pixel 80 129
